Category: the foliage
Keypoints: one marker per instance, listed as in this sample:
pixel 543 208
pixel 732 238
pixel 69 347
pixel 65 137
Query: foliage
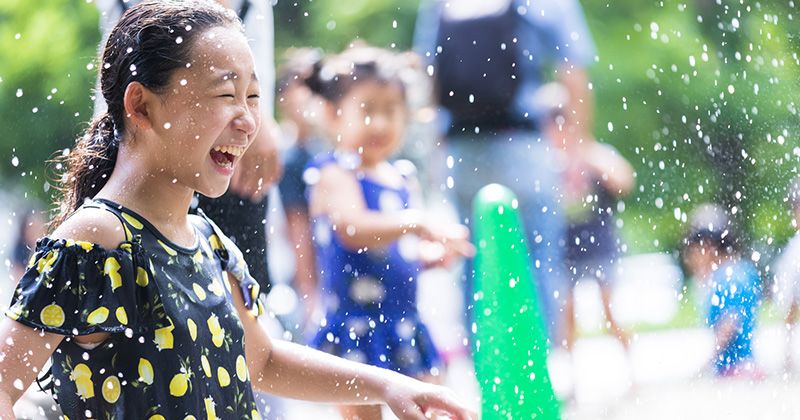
pixel 45 48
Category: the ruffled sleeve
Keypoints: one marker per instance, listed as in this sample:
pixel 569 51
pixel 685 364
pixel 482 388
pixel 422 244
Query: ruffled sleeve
pixel 233 262
pixel 78 288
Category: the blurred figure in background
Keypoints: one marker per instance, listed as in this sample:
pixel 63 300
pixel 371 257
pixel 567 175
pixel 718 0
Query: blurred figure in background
pixel 488 59
pixel 372 239
pixel 595 177
pixel 786 286
pixel 31 228
pixel 299 120
pixel 731 287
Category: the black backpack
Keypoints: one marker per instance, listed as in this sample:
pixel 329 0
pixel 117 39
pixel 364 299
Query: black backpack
pixel 125 5
pixel 476 71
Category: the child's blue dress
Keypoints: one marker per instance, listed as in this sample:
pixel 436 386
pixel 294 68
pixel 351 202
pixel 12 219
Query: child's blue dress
pixel 370 294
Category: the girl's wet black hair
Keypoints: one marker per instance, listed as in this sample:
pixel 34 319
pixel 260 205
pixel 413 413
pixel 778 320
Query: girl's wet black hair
pixel 151 40
pixel 333 76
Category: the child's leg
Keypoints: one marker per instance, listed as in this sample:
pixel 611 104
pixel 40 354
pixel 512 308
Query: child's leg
pixel 616 330
pixel 569 320
pixel 361 412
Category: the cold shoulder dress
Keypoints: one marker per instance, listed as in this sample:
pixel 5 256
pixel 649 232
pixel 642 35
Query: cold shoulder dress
pixel 176 343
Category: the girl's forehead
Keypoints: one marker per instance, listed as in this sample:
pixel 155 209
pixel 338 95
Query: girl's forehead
pixel 221 53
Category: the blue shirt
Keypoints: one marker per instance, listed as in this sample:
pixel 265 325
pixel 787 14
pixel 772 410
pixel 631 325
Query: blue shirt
pixel 735 295
pixel 551 33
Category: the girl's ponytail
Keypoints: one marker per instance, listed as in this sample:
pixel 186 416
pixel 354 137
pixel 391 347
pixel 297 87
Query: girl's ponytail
pixel 87 167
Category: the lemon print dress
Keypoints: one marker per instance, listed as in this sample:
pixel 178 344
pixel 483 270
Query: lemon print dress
pixel 176 344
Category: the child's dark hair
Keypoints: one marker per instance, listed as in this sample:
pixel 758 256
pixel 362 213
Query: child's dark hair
pixel 334 76
pixel 710 225
pixel 296 67
pixel 151 40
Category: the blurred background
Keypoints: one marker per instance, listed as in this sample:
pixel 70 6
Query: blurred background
pixel 700 96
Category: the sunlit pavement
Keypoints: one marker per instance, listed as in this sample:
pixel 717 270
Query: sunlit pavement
pixel 664 377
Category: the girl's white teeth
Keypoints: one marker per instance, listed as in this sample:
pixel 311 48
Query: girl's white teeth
pixel 232 150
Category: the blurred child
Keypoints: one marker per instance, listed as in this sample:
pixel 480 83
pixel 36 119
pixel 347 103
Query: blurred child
pixel 595 176
pixel 366 230
pixel 299 123
pixel 732 287
pixel 786 288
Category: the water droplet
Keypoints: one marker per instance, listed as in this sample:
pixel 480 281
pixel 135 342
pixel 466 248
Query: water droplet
pixel 19 93
pixel 15 161
pixel 179 40
pixel 167 126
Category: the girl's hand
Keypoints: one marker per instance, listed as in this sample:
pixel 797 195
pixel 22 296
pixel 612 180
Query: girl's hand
pixel 414 400
pixel 444 243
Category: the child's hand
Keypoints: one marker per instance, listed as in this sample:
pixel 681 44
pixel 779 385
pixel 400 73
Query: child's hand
pixel 414 400
pixel 444 243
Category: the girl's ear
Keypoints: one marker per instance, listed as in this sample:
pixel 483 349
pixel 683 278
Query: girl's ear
pixel 138 102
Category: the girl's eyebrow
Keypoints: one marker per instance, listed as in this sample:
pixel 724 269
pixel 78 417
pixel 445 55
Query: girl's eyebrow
pixel 229 76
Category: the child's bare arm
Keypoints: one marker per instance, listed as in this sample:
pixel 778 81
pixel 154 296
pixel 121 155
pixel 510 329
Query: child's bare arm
pixel 23 352
pixel 339 196
pixel 295 371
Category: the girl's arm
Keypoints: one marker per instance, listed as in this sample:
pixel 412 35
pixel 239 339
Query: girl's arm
pixel 24 350
pixel 291 370
pixel 339 196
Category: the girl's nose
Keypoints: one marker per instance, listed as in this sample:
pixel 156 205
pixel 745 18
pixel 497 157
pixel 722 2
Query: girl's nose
pixel 247 122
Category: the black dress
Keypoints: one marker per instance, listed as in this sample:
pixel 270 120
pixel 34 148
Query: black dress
pixel 176 344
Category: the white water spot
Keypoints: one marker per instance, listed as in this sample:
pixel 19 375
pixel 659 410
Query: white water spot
pixel 610 127
pixel 167 126
pixel 183 82
pixel 179 40
pixel 15 161
pixel 19 93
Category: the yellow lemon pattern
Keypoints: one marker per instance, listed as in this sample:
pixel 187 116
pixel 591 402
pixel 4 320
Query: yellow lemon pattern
pixel 52 315
pixel 141 277
pixel 206 365
pixel 241 368
pixel 198 290
pixel 112 271
pixel 169 250
pixel 98 316
pixel 217 332
pixel 122 316
pixel 163 337
pixel 179 385
pixel 211 411
pixel 146 373
pixel 223 376
pixel 46 263
pixel 155 298
pixel 82 376
pixel 192 329
pixel 111 389
pixel 132 220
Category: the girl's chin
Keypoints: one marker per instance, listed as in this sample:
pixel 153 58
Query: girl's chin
pixel 214 191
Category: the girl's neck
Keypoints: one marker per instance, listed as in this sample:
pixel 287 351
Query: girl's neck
pixel 163 203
